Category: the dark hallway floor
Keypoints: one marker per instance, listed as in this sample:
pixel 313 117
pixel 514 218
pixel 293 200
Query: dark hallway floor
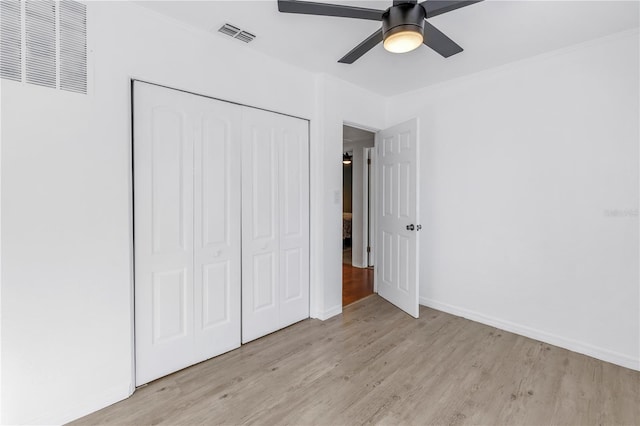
pixel 357 283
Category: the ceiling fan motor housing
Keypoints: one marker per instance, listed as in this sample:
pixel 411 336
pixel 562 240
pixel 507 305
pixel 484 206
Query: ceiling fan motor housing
pixel 403 17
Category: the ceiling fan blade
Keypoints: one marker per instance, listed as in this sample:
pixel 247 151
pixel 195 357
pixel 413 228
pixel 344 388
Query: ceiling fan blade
pixel 439 42
pixel 362 48
pixel 325 9
pixel 438 7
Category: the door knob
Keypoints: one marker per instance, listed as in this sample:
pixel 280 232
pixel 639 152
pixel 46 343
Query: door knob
pixel 410 227
pixel 418 227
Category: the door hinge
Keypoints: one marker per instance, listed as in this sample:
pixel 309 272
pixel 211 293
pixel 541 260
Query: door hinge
pixel 369 161
pixel 368 249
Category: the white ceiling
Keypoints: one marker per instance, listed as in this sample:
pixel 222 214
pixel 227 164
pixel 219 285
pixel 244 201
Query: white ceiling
pixel 492 33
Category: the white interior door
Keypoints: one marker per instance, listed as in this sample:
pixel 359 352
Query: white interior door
pixel 398 220
pixel 275 222
pixel 187 229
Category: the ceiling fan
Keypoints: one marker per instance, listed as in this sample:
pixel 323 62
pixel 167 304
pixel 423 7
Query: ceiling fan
pixel 404 25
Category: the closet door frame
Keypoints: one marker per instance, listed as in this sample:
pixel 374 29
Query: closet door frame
pixel 131 81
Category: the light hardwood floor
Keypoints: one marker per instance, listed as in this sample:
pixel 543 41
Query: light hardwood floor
pixel 375 364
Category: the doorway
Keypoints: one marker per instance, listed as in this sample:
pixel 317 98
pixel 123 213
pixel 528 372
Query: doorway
pixel 357 221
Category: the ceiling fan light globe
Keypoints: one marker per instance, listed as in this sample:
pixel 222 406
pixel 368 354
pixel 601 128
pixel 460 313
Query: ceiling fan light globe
pixel 403 42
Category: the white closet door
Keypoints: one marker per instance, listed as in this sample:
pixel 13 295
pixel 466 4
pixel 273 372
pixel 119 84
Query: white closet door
pixel 293 181
pixel 187 229
pixel 275 222
pixel 217 254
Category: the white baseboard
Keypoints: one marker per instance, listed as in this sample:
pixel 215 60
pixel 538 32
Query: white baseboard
pixel 543 336
pixel 331 312
pixel 67 414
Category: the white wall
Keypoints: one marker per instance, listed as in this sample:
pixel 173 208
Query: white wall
pixel 529 197
pixel 66 201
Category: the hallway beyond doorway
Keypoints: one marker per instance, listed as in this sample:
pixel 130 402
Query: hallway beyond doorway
pixel 357 283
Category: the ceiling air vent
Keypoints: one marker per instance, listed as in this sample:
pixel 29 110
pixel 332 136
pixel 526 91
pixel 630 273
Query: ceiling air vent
pixel 229 30
pixel 245 36
pixel 237 33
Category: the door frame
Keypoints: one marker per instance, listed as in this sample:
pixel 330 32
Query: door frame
pixel 374 197
pixel 131 79
pixel 368 208
pixel 372 200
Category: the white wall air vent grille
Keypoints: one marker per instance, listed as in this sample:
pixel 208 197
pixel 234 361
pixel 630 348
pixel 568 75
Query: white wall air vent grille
pixel 48 40
pixel 237 33
pixel 11 40
pixel 73 46
pixel 40 42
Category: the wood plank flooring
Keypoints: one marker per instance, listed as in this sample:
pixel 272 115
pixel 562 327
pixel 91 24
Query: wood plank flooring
pixel 357 283
pixel 375 364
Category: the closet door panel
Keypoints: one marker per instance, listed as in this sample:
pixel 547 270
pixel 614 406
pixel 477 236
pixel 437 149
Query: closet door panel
pixel 217 270
pixel 264 280
pixel 275 222
pixel 216 288
pixel 169 139
pixel 262 168
pixel 294 220
pixel 260 227
pixel 187 229
pixel 163 199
